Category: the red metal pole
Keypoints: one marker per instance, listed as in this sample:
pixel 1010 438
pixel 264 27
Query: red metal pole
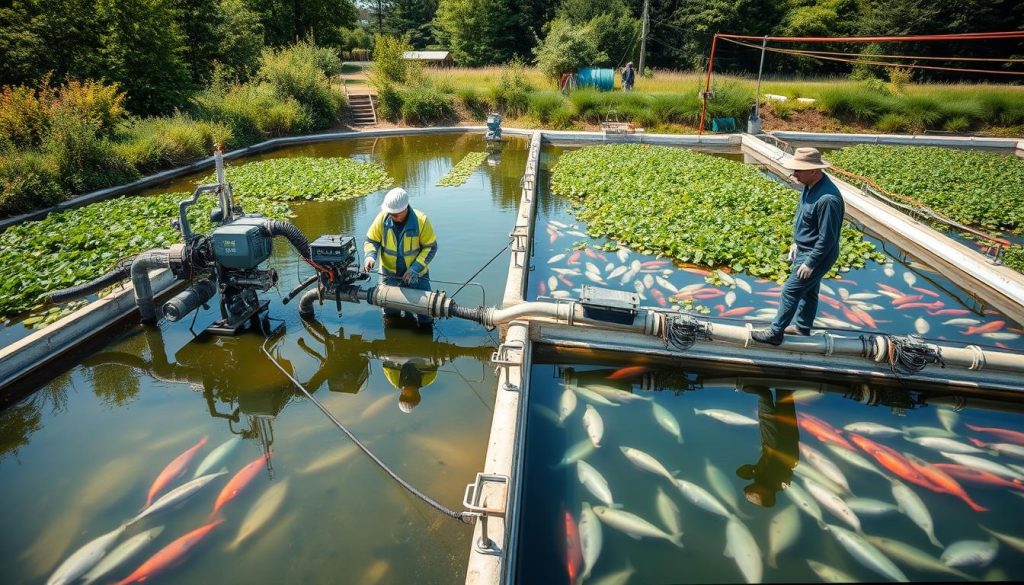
pixel 707 86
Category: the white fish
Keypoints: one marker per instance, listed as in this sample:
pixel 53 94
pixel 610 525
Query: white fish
pixel 827 289
pixel 261 512
pixel 889 271
pixel 648 281
pixel 634 525
pixel 808 471
pixel 824 465
pixel 833 503
pixel 628 276
pixel 927 431
pixel 595 279
pixel 646 462
pixel 726 416
pixel 667 421
pixel 616 272
pixel 594 482
pixel 618 577
pixel 804 502
pixel 665 284
pixel 728 280
pixel 921 326
pixel 970 553
pixel 591 396
pixel 635 267
pixel 741 546
pixel 566 271
pixel 335 457
pixel 668 512
pixel 576 453
pixel 911 505
pixel 945 444
pixel 566 405
pixel 843 293
pixel 216 456
pixel 984 465
pixel 866 554
pixel 85 558
pixel 591 267
pixel 783 531
pixel 910 278
pixel 1000 336
pixel 912 557
pixel 556 258
pixel 730 298
pixel 552 283
pixel 561 294
pixel 638 286
pixel 577 233
pixel 872 429
pixel 870 507
pixel 622 254
pixel 693 288
pixel 178 495
pixel 803 396
pixel 961 322
pixel 855 459
pixel 863 296
pixel 721 484
pixel 701 498
pixel 594 425
pixel 1011 541
pixel 830 574
pixel 557 224
pixel 591 540
pixel 743 285
pixel 613 393
pixel 122 554
pixel 826 322
pixel 890 294
pixel 1009 449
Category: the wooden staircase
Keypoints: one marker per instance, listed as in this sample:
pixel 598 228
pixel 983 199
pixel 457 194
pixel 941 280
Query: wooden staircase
pixel 363 109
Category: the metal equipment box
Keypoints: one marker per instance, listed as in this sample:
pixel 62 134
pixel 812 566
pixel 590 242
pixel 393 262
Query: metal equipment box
pixel 613 306
pixel 241 244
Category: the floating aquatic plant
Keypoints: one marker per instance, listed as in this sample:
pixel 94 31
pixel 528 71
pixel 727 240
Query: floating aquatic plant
pixel 306 178
pixel 460 173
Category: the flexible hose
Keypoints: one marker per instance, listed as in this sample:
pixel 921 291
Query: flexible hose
pixel 111 278
pixel 461 516
pixel 291 233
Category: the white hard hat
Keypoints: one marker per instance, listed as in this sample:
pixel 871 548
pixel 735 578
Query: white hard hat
pixel 406 407
pixel 395 201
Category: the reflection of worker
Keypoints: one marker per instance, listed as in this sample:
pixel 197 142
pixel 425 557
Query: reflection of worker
pixel 628 77
pixel 816 229
pixel 405 241
pixel 779 446
pixel 409 375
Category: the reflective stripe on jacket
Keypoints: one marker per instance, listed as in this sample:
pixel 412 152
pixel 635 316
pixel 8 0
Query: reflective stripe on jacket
pixel 411 249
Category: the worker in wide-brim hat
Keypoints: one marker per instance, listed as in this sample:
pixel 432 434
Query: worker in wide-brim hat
pixel 815 248
pixel 404 241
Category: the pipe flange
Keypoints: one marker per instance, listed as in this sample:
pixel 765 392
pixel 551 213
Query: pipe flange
pixel 978 357
pixel 750 338
pixel 830 343
pixel 881 344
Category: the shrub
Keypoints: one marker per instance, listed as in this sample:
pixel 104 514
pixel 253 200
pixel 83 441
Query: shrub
pixel 862 103
pixel 28 180
pixel 957 124
pixel 300 72
pixel 85 161
pixel 154 143
pixel 252 112
pixel 95 100
pixel 24 116
pixel 676 108
pixel 567 48
pixel 899 78
pixel 893 123
pixel 26 113
pixel 511 95
pixel 563 116
pixel 475 104
pixel 922 111
pixel 587 103
pixel 389 101
pixel 544 103
pixel 388 64
pixel 424 103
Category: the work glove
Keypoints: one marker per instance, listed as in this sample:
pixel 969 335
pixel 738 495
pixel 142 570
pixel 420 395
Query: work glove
pixel 409 277
pixel 792 253
pixel 369 264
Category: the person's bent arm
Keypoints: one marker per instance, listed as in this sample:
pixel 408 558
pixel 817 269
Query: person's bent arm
pixel 428 248
pixel 829 226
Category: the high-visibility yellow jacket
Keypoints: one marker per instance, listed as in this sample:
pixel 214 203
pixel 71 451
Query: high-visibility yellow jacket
pixel 411 249
pixel 416 372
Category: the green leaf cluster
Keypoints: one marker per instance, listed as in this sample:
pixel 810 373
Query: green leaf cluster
pixel 75 246
pixel 306 178
pixel 460 172
pixel 977 188
pixel 691 207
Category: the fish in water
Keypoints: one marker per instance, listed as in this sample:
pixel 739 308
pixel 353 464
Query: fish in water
pixel 722 485
pixel 921 326
pixel 573 548
pixel 595 483
pixel 741 546
pixel 825 465
pixel 122 554
pixel 978 477
pixel 1013 542
pixel 970 553
pixel 701 498
pixel 334 457
pixel 726 416
pixel 262 511
pixel 910 278
pixel 633 525
pixel 871 507
pixel 667 421
pixel 832 503
pixel 594 425
pixel 591 396
pixel 867 554
pixel 178 495
pixel 170 555
pixel 945 444
pixel 85 558
pixel 576 453
pixel 989 327
pixel 173 470
pixel 783 531
pixel 668 512
pixel 924 431
pixel 1016 437
pixel 646 462
pixel 237 483
pixel 830 574
pixel 216 456
pixel 855 459
pixel 823 431
pixel 948 418
pixel 942 480
pixel 805 502
pixel 613 393
pixel 566 405
pixel 913 557
pixel 984 465
pixel 591 540
pixel 872 429
pixel 911 505
pixel 1008 449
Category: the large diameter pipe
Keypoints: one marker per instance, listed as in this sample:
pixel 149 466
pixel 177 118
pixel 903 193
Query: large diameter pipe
pixel 143 263
pixel 189 300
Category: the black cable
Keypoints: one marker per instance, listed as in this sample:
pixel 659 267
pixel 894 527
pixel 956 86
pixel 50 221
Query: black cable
pixel 470 279
pixel 908 355
pixel 464 517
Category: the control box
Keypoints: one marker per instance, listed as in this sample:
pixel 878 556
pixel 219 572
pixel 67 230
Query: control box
pixel 241 244
pixel 333 250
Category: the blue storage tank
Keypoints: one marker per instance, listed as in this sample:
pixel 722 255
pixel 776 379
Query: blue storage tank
pixel 596 77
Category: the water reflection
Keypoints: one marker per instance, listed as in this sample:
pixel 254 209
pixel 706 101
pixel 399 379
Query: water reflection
pixel 780 439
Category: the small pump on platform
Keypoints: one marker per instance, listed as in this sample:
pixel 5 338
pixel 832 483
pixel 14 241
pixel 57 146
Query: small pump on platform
pixel 493 126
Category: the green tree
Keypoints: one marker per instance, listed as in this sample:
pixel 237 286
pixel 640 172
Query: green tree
pixel 566 48
pixel 240 33
pixel 412 17
pixel 200 21
pixel 143 50
pixel 287 21
pixel 483 32
pixel 21 48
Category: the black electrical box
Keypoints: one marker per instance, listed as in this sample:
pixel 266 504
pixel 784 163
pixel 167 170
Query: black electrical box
pixel 338 250
pixel 611 306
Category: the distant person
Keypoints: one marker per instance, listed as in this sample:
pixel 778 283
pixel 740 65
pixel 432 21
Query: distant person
pixel 404 238
pixel 409 376
pixel 816 230
pixel 780 442
pixel 628 77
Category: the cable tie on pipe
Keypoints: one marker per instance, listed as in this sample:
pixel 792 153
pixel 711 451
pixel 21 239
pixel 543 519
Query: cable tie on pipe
pixel 978 354
pixel 750 331
pixel 830 343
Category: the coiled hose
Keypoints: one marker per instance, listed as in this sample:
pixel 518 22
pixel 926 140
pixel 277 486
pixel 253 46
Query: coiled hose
pixel 111 278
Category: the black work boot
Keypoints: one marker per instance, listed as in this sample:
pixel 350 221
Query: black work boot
pixel 767 336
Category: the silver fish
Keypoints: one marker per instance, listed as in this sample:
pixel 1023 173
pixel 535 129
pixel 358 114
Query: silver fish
pixel 701 498
pixel 646 462
pixel 833 503
pixel 591 540
pixel 618 577
pixel 945 444
pixel 1011 541
pixel 617 272
pixel 743 285
pixel 178 495
pixel 726 416
pixel 722 485
pixel 866 554
pixel 910 278
pixel 613 393
pixel 1009 449
pixel 824 465
pixel 576 453
pixel 552 283
pixel 911 505
pixel 921 326
pixel 889 270
pixel 591 267
pixel 335 457
pixel 566 405
pixel 122 554
pixel 634 525
pixel 872 429
pixel 596 279
pixel 217 456
pixel 85 558
pixel 984 465
pixel 970 553
pixel 594 482
pixel 870 507
pixel 855 459
pixel 556 258
pixel 806 471
pixel 783 531
pixel 667 421
pixel 948 418
pixel 591 396
pixel 912 557
pixel 804 502
pixel 594 425
pixel 261 512
pixel 741 546
pixel 830 574
pixel 927 432
pixel 622 254
pixel 961 322
pixel 668 512
pixel 665 284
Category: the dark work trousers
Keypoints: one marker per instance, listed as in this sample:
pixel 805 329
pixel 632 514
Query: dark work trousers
pixel 800 295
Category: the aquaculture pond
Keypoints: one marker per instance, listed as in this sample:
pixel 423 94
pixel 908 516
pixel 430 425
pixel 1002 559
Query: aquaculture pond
pixel 897 295
pixel 82 452
pixel 641 472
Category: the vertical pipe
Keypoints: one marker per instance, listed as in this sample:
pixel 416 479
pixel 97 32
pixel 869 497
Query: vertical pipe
pixel 760 68
pixel 643 38
pixel 707 86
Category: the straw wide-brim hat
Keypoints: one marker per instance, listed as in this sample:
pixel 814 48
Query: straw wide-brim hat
pixel 805 159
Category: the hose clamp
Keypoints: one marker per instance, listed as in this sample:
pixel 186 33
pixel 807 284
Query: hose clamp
pixel 977 357
pixel 750 338
pixel 830 343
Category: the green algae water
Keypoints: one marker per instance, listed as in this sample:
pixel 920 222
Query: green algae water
pixel 80 453
pixel 722 425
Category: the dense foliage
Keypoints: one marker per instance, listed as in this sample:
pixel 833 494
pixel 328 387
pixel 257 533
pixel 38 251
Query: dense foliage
pixel 977 188
pixel 691 207
pixel 460 172
pixel 78 245
pixel 306 178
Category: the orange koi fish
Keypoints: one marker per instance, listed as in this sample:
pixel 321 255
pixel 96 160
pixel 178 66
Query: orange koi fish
pixel 628 372
pixel 573 549
pixel 990 327
pixel 1007 435
pixel 823 431
pixel 950 312
pixel 942 480
pixel 173 470
pixel 737 312
pixel 170 555
pixel 238 482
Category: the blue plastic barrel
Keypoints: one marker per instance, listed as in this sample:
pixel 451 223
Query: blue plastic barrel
pixel 599 78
